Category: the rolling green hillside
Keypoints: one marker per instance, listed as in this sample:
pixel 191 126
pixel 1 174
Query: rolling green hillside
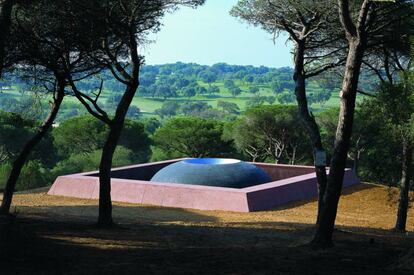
pixel 245 86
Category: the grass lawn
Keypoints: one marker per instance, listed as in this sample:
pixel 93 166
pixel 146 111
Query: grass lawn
pixel 55 235
pixel 148 104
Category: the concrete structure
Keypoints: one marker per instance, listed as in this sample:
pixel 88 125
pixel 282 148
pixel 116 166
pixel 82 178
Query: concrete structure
pixel 131 184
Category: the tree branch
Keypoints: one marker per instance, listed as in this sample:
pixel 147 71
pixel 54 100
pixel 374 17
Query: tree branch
pixel 345 18
pixel 84 99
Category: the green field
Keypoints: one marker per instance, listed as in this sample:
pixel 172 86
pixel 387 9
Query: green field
pixel 148 105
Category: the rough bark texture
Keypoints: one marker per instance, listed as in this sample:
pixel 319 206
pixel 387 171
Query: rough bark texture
pixel 309 120
pixel 105 203
pixel 357 40
pixel 6 7
pixel 325 227
pixel 405 186
pixel 27 149
pixel 115 129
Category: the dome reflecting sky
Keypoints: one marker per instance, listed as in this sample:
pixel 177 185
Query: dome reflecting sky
pixel 213 172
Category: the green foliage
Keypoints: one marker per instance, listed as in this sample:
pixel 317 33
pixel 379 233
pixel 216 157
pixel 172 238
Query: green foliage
pixel 376 142
pixel 228 107
pixel 201 90
pixel 135 138
pixel 192 137
pixel 189 92
pixel 33 175
pixel 181 80
pixel 165 91
pixel 158 154
pixel 14 132
pixel 273 132
pixel 79 135
pixel 228 84
pixel 397 102
pixel 86 162
pixel 249 144
pixel 45 151
pixel 253 90
pixel 235 91
pixel 286 97
pixel 255 101
pixel 27 104
pixel 320 96
pixel 328 121
pixel 5 169
pixel 213 90
pixel 112 101
pixel 248 78
pixel 260 100
pixel 133 112
pixel 208 76
pixel 380 159
pixel 83 135
pixel 151 125
pixel 270 99
pixel 386 125
pixel 168 109
pixel 194 108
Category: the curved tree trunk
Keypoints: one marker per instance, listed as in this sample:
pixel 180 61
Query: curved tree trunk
pixel 309 121
pixel 105 203
pixel 405 186
pixel 325 227
pixel 27 149
pixel 115 129
pixel 6 7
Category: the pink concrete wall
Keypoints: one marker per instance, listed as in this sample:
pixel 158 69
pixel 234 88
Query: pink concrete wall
pixel 163 194
pixel 280 171
pixel 75 186
pixel 261 197
pixel 282 192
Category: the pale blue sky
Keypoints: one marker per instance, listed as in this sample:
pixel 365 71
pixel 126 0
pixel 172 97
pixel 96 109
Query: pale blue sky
pixel 209 35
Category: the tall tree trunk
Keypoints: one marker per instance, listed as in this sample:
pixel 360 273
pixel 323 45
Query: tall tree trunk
pixel 6 7
pixel 116 126
pixel 115 129
pixel 105 202
pixel 405 186
pixel 325 227
pixel 309 121
pixel 27 149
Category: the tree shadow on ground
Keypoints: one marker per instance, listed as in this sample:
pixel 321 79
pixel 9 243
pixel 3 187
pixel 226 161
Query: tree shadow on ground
pixel 38 244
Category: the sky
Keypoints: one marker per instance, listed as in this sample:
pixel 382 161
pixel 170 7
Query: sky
pixel 209 35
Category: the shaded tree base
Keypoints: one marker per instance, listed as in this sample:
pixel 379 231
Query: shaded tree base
pixel 399 230
pixel 320 244
pixel 70 246
pixel 6 214
pixel 105 222
pixel 105 225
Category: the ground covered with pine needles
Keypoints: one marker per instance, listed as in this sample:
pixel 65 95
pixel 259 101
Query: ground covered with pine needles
pixel 56 235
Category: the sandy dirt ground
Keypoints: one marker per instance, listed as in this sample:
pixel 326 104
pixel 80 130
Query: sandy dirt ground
pixel 53 235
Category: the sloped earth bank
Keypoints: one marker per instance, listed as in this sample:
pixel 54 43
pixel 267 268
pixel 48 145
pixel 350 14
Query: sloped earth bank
pixel 55 235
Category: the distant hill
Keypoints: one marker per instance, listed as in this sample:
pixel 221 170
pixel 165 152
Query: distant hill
pixel 245 86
